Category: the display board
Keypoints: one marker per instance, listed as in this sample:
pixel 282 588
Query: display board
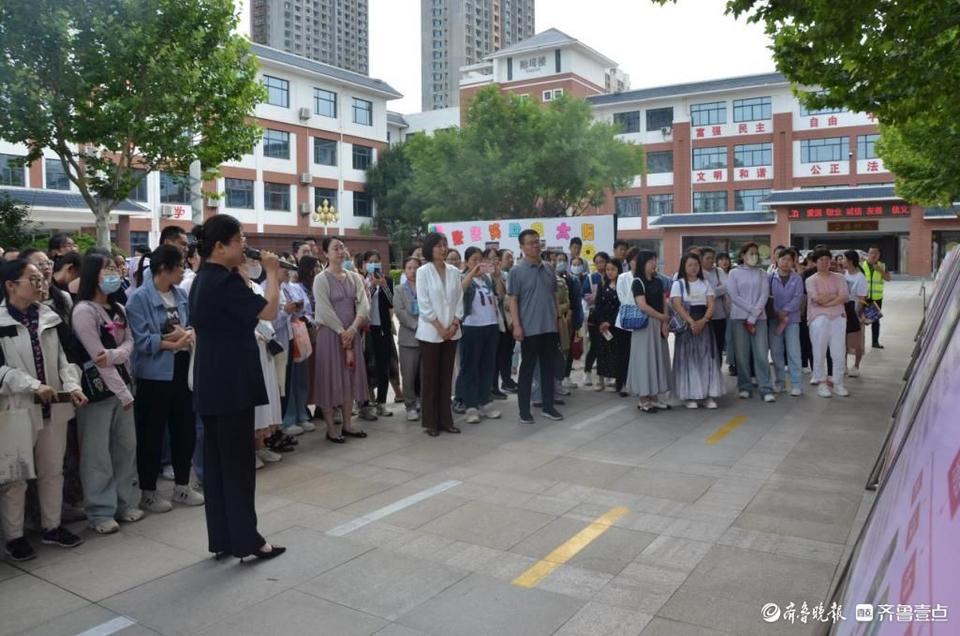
pixel 596 232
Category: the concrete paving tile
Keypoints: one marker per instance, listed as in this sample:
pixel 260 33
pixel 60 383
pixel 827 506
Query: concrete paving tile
pixel 473 557
pixel 396 629
pixel 707 531
pixel 641 588
pixel 781 544
pixel 597 619
pixel 333 493
pixel 8 572
pixel 818 515
pixel 575 582
pixel 581 471
pixel 707 511
pixel 506 566
pixel 513 481
pixel 630 445
pixel 728 614
pixel 197 596
pixel 674 553
pixel 506 497
pixel 548 505
pixel 383 583
pixel 828 532
pixel 666 627
pixel 381 535
pixel 483 606
pixel 609 553
pixel 431 547
pixel 293 514
pixel 510 461
pixel 489 525
pixel 80 620
pixel 293 612
pixel 369 472
pixel 663 484
pixel 102 569
pixel 29 602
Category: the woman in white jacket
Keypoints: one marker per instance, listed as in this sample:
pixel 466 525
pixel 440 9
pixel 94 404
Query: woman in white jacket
pixel 440 300
pixel 33 372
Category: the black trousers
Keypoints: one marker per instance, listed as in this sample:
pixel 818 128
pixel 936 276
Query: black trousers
pixel 875 326
pixel 542 348
pixel 504 365
pixel 806 345
pixel 623 338
pixel 719 326
pixel 161 406
pixel 230 482
pixel 381 342
pixel 594 334
pixel 436 371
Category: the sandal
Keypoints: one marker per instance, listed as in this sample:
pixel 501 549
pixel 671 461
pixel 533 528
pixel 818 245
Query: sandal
pixel 336 440
pixel 358 434
pixel 450 429
pixel 431 432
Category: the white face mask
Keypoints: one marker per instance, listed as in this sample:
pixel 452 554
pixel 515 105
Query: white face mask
pixel 751 259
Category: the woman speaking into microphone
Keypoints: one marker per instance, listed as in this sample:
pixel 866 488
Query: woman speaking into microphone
pixel 228 383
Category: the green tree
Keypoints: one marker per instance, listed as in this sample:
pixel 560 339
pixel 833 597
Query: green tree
pixel 16 229
pixel 897 59
pixel 399 213
pixel 115 85
pixel 513 158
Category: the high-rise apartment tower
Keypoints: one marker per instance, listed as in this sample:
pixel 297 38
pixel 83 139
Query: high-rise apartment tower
pixel 334 32
pixel 457 33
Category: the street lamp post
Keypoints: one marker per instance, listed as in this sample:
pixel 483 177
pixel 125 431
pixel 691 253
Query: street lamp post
pixel 325 214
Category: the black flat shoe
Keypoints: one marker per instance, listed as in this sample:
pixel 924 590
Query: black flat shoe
pixel 336 440
pixel 220 556
pixel 451 429
pixel 266 556
pixel 431 432
pixel 648 409
pixel 878 346
pixel 358 434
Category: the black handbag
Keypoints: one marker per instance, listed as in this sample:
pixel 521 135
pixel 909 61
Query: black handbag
pixel 91 382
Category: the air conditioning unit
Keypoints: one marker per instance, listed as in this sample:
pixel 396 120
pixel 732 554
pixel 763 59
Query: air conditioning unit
pixel 305 209
pixel 666 131
pixel 305 178
pixel 305 114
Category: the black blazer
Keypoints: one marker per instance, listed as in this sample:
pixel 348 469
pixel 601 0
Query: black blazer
pixel 385 301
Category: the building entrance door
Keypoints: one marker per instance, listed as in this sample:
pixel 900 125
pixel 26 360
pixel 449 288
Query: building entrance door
pixel 889 245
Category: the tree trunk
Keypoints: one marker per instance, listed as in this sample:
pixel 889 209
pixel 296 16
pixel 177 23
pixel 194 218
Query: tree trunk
pixel 102 215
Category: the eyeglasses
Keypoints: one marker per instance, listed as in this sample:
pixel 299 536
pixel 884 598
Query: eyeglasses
pixel 36 281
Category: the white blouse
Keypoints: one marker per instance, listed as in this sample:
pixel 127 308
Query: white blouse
pixel 438 300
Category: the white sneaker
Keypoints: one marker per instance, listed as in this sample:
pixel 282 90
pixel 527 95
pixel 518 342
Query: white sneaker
pixel 568 384
pixel 130 515
pixel 692 404
pixel 588 378
pixel 777 389
pixel 824 391
pixel 769 397
pixel 599 385
pixel 841 391
pixel 292 430
pixel 269 456
pixel 612 382
pixel 308 426
pixel 853 372
pixel 473 416
pixel 807 370
pixel 258 463
pixel 561 390
pixel 488 411
pixel 167 473
pixel 814 381
pixel 151 501
pixel 744 395
pixel 104 526
pixel 412 415
pixel 710 404
pixel 796 391
pixel 187 496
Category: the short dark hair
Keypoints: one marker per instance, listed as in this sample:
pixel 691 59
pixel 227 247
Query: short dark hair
pixel 325 243
pixel 93 263
pixel 165 257
pixel 57 241
pixel 66 260
pixel 723 255
pixel 143 249
pixel 576 241
pixel 219 228
pixel 370 254
pixel 433 239
pixel 603 255
pixel 616 262
pixel 454 251
pixel 30 251
pixel 11 271
pixel 620 242
pixel 853 256
pixel 411 258
pixel 171 232
pixel 523 235
pixel 307 269
pixel 682 271
pixel 631 254
pixel 471 251
pixel 643 257
pixel 817 254
pixel 746 246
pixel 706 250
pixel 874 247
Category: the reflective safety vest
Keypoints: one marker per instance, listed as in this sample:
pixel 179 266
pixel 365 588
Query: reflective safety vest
pixel 874 281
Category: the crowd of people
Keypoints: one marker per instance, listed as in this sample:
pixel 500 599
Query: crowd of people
pixel 202 360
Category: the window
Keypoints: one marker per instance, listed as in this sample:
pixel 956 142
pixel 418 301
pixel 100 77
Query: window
pixel 805 112
pixel 362 112
pixel 749 200
pixel 278 91
pixel 829 149
pixel 362 157
pixel 239 193
pixel 549 96
pixel 708 114
pixel 711 201
pixel 627 206
pixel 276 143
pixel 710 158
pixel 139 192
pixel 324 102
pixel 324 194
pixel 658 162
pixel 866 146
pixel 658 204
pixel 753 109
pixel 362 205
pixel 11 174
pixel 57 178
pixel 750 155
pixel 276 196
pixel 174 188
pixel 139 239
pixel 629 122
pixel 658 118
pixel 324 152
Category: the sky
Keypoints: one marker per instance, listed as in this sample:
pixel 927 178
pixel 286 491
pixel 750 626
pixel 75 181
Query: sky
pixel 656 45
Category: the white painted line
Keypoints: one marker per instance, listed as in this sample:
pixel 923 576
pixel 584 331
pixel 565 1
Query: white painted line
pixel 110 627
pixel 396 506
pixel 598 417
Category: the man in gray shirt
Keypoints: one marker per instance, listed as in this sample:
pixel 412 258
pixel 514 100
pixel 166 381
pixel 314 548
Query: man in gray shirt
pixel 531 289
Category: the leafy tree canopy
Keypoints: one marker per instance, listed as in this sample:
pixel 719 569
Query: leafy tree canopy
pixel 16 230
pixel 114 85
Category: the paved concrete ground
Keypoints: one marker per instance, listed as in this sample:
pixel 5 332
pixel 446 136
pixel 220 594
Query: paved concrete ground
pixel 711 531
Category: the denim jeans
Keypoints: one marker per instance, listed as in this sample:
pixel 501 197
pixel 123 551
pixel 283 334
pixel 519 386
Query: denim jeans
pixel 755 346
pixel 299 390
pixel 478 356
pixel 789 340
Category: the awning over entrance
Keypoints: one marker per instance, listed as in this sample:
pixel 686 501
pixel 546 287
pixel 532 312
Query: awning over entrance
pixel 66 210
pixel 952 212
pixel 703 219
pixel 830 195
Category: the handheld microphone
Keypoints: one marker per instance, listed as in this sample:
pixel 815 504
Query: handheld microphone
pixel 254 254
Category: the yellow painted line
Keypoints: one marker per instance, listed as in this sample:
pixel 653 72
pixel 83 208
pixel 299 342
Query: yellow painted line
pixel 724 430
pixel 569 549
